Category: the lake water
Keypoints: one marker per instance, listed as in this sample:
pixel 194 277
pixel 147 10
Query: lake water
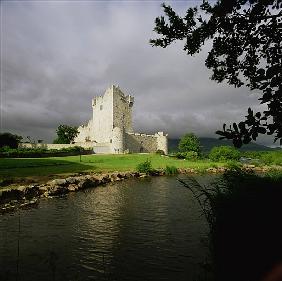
pixel 149 229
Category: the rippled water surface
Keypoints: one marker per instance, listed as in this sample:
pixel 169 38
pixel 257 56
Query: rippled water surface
pixel 150 229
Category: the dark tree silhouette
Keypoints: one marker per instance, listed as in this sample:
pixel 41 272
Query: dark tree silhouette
pixel 65 134
pixel 246 49
pixel 10 140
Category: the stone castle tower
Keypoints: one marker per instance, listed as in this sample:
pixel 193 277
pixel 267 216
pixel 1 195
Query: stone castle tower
pixel 110 130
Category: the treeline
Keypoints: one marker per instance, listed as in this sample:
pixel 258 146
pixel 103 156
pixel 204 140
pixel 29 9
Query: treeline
pixel 189 148
pixel 228 153
pixel 7 152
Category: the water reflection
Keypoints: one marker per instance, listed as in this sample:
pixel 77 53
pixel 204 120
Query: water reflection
pixel 147 229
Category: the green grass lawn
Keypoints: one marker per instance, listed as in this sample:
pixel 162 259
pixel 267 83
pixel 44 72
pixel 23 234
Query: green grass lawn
pixel 42 167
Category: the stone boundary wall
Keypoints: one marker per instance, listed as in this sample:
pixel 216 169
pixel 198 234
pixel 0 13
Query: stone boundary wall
pixel 86 145
pixel 141 134
pixel 139 143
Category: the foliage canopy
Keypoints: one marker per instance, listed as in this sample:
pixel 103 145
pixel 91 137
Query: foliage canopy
pixel 189 142
pixel 65 134
pixel 10 140
pixel 246 49
pixel 223 153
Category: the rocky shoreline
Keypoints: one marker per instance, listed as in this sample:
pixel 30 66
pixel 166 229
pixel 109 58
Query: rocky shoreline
pixel 12 198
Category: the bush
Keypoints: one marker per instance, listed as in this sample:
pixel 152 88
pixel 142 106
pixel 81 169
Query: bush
pixel 191 155
pixel 171 170
pixel 189 142
pixel 160 152
pixel 265 157
pixel 180 155
pixel 234 165
pixel 145 167
pixel 224 153
pixel 40 152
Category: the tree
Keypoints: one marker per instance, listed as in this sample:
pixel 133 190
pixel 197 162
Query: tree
pixel 65 134
pixel 246 49
pixel 223 153
pixel 8 139
pixel 189 142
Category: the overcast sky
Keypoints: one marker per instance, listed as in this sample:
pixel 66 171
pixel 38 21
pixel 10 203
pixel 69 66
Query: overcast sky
pixel 57 55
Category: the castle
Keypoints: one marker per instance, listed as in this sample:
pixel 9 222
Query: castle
pixel 110 129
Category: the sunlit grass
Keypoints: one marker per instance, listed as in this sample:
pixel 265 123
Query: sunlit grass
pixel 28 167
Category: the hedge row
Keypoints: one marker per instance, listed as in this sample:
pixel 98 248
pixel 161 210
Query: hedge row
pixel 6 152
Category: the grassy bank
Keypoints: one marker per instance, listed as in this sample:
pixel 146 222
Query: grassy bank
pixel 47 167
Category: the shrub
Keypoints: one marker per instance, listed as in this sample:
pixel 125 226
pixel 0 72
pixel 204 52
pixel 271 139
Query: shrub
pixel 192 155
pixel 180 155
pixel 234 165
pixel 171 170
pixel 265 157
pixel 160 152
pixel 145 167
pixel 224 153
pixel 40 152
pixel 189 142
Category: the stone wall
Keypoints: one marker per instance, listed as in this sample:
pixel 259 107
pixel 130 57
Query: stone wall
pixel 118 140
pixel 138 143
pixel 85 132
pixel 86 145
pixel 112 124
pixel 162 142
pixel 122 110
pixel 103 117
pixel 102 148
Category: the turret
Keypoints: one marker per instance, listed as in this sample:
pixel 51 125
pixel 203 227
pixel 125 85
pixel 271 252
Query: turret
pixel 117 140
pixel 162 143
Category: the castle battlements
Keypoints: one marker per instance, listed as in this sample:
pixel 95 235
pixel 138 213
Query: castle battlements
pixel 110 129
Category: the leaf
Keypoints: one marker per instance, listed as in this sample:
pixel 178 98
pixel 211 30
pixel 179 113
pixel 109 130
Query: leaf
pixel 220 133
pixel 261 130
pixel 261 71
pixel 254 135
pixel 237 143
pixel 273 70
pixel 235 127
pixel 242 126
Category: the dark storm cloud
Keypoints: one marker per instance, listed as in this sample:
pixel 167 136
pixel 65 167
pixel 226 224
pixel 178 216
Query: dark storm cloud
pixel 57 55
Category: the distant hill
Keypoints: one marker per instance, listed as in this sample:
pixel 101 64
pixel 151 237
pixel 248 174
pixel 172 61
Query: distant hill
pixel 208 143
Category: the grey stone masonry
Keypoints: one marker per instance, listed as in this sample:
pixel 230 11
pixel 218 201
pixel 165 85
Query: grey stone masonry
pixel 111 130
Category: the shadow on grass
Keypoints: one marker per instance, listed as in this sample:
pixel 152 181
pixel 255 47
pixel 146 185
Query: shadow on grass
pixel 10 168
pixel 244 213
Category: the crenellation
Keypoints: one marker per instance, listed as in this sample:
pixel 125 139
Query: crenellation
pixel 110 129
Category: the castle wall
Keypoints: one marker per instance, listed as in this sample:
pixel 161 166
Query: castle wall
pixel 103 117
pixel 102 148
pixel 86 145
pixel 112 117
pixel 137 143
pixel 85 132
pixel 122 110
pixel 118 138
pixel 162 142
